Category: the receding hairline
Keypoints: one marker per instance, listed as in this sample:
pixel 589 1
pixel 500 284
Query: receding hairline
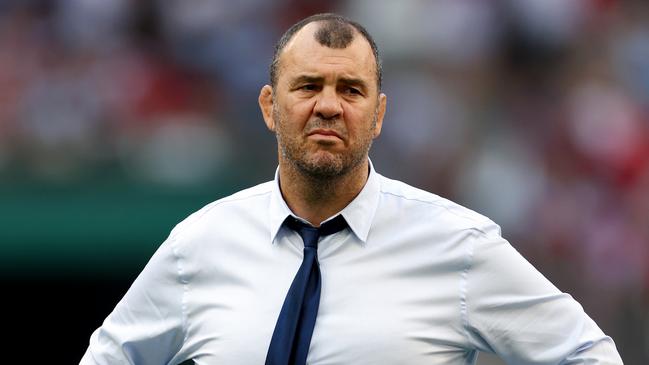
pixel 322 35
pixel 318 27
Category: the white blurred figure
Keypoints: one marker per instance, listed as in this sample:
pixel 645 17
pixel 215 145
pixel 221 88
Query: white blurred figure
pixel 427 124
pixel 452 31
pixel 605 125
pixel 182 150
pixel 60 118
pixel 97 24
pixel 227 39
pixel 504 179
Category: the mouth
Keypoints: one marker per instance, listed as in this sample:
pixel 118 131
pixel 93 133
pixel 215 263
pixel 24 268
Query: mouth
pixel 324 133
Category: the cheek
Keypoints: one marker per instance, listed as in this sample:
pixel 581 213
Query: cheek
pixel 359 120
pixel 296 114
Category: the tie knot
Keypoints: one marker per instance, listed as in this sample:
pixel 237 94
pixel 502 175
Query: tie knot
pixel 310 234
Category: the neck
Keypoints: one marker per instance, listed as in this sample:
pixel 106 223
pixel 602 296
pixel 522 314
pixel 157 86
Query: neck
pixel 316 199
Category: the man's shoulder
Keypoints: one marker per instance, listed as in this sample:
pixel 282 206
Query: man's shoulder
pixel 254 192
pixel 250 195
pixel 426 204
pixel 241 202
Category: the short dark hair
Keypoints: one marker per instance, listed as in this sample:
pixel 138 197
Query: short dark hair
pixel 336 32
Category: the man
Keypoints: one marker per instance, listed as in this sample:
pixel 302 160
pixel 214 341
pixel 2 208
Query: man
pixel 393 274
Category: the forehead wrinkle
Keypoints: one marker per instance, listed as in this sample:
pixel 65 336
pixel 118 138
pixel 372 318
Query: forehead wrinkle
pixel 339 76
pixel 310 60
pixel 313 66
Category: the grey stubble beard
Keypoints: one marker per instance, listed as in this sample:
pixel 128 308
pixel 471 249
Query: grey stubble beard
pixel 322 174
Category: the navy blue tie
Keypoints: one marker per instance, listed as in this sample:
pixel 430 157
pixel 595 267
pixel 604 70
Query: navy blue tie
pixel 292 336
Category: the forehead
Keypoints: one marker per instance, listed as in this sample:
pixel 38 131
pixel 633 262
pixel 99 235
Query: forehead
pixel 304 54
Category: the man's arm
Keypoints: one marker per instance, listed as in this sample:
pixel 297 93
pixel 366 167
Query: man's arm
pixel 147 325
pixel 515 312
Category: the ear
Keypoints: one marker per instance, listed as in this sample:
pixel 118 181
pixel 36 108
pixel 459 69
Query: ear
pixel 266 106
pixel 380 113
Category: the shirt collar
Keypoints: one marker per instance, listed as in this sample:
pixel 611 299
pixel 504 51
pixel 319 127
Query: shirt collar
pixel 359 213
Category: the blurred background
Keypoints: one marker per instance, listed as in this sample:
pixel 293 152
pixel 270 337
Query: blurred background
pixel 118 118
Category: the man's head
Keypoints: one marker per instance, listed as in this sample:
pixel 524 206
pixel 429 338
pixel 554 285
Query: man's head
pixel 324 104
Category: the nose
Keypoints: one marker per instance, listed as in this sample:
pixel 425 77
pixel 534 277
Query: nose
pixel 328 105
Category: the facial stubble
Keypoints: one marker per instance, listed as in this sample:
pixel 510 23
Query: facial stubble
pixel 324 166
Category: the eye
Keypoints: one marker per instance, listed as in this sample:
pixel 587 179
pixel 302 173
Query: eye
pixel 352 91
pixel 308 87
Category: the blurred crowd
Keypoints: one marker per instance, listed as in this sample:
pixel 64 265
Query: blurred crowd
pixel 533 112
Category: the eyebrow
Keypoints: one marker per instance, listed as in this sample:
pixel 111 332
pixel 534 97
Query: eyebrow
pixel 306 79
pixel 354 82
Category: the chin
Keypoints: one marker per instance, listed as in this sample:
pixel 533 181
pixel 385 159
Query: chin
pixel 323 165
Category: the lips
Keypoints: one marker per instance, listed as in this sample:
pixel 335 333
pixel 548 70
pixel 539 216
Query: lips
pixel 324 132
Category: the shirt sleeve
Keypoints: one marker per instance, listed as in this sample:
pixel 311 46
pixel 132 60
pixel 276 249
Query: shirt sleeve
pixel 511 310
pixel 147 325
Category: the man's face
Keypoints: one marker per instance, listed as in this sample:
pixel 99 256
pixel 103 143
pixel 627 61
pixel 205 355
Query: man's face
pixel 325 108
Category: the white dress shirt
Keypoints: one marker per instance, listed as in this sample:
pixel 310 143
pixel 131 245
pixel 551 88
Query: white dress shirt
pixel 415 279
